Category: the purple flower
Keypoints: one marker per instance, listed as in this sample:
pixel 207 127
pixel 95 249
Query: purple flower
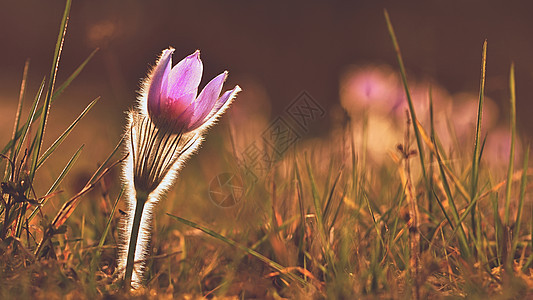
pixel 173 104
pixel 165 129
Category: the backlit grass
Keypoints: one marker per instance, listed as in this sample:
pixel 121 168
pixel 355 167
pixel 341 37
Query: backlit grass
pixel 325 218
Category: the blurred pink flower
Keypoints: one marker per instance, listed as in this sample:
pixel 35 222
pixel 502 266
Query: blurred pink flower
pixel 172 94
pixel 419 91
pixel 465 113
pixel 374 87
pixel 498 149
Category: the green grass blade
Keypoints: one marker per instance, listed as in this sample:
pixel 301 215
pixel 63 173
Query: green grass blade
pixel 108 224
pixel 375 223
pixel 316 201
pixel 465 250
pixel 511 151
pixel 274 265
pixel 25 128
pixel 443 210
pixel 319 217
pixel 408 94
pixel 326 183
pixel 476 223
pixel 34 151
pixel 498 228
pixel 22 93
pixel 523 185
pixel 399 198
pixel 477 148
pixel 104 164
pixel 301 208
pixel 65 170
pixel 353 157
pixel 329 198
pixel 59 179
pixel 338 209
pixel 431 156
pixel 46 106
pixel 64 135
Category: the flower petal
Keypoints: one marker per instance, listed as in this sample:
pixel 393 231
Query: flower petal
pixel 158 80
pixel 219 108
pixel 223 99
pixel 207 98
pixel 185 77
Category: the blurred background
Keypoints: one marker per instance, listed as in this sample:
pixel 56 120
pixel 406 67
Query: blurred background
pixel 273 50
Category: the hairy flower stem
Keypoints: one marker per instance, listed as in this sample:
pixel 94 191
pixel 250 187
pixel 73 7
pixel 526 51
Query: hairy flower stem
pixel 139 207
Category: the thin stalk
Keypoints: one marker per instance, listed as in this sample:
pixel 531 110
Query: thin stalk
pixel 511 151
pixel 408 95
pixel 476 226
pixel 498 228
pixel 464 249
pixel 46 105
pixel 139 207
pixel 17 117
pixel 108 224
pixel 320 220
pixel 25 129
pixel 301 206
pixel 518 220
pixel 413 225
pixel 34 153
pixel 431 156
